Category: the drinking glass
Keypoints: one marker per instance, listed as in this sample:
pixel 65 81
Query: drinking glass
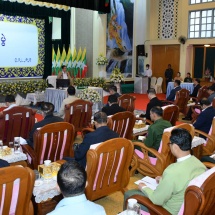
pixel 11 145
pixel 16 145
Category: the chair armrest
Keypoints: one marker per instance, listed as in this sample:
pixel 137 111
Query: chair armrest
pixel 61 161
pixel 153 209
pixel 29 151
pixel 166 102
pixel 209 165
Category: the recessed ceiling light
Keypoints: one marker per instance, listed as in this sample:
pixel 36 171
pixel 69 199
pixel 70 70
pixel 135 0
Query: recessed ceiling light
pixel 207 45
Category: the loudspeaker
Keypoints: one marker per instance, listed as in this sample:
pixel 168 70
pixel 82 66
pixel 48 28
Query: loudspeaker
pixel 140 50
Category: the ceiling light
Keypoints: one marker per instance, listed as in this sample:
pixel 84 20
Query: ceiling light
pixel 207 45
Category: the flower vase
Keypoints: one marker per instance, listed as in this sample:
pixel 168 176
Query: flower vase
pixel 118 86
pixel 102 71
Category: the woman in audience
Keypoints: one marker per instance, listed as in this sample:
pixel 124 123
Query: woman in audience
pixel 178 77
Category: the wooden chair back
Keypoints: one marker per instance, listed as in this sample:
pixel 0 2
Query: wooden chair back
pixel 123 124
pixel 79 114
pixel 182 98
pixel 108 167
pixel 171 113
pixel 16 188
pixel 202 93
pixel 127 102
pixel 16 122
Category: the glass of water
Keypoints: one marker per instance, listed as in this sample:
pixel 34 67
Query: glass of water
pixel 16 145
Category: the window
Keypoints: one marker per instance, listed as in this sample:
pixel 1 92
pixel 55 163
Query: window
pixel 202 24
pixel 200 1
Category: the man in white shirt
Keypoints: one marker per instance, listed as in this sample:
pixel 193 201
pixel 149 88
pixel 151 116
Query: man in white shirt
pixel 10 102
pixel 148 73
pixel 71 180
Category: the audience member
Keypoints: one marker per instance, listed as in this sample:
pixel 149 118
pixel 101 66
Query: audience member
pixel 10 102
pixel 113 91
pixel 4 163
pixel 197 86
pixel 188 79
pixel 101 134
pixel 205 118
pixel 168 75
pixel 71 98
pixel 71 180
pixel 178 77
pixel 154 101
pixel 155 130
pixel 65 75
pixel 177 87
pixel 211 91
pixel 47 111
pixel 172 185
pixel 113 106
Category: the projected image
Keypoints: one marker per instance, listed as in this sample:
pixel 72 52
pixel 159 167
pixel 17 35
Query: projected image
pixel 22 50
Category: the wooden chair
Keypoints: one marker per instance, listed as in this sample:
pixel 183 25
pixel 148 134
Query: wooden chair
pixel 202 93
pixel 51 142
pixel 171 113
pixel 16 122
pixel 108 167
pixel 199 197
pixel 154 166
pixel 79 114
pixel 123 124
pixel 16 188
pixel 127 102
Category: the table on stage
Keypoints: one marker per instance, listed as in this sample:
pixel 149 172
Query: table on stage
pixel 52 80
pixel 56 96
pixel 188 86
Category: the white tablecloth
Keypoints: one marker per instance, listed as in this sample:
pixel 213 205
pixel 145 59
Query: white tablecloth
pixel 137 130
pixel 52 80
pixel 15 157
pixel 188 86
pixel 35 97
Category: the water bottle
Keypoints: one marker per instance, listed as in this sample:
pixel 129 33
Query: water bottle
pixel 133 208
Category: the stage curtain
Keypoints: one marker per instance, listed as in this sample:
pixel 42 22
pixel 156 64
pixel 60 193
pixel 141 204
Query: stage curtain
pixel 98 5
pixel 21 9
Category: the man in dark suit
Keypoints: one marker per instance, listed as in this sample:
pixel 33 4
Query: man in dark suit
pixel 196 88
pixel 205 118
pixel 177 87
pixel 113 107
pixel 47 110
pixel 154 101
pixel 101 134
pixel 168 74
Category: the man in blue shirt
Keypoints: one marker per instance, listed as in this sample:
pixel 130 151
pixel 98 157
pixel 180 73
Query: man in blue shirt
pixel 71 180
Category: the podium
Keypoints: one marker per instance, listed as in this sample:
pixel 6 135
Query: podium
pixel 141 85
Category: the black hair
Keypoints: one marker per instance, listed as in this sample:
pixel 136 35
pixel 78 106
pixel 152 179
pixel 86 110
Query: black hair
pixel 182 138
pixel 10 98
pixel 100 117
pixel 205 101
pixel 179 73
pixel 112 98
pixel 114 88
pixel 158 110
pixel 178 82
pixel 63 66
pixel 197 80
pixel 47 108
pixel 71 179
pixel 188 73
pixel 71 90
pixel 151 90
pixel 147 65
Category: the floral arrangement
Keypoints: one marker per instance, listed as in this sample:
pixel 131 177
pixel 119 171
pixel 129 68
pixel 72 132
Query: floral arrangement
pixel 101 60
pixel 116 75
pixel 91 95
pixel 14 87
pixel 93 82
pixel 207 73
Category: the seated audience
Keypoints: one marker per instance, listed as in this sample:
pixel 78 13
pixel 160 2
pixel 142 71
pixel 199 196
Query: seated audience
pixel 10 102
pixel 113 106
pixel 205 118
pixel 188 79
pixel 113 91
pixel 172 184
pixel 71 180
pixel 155 130
pixel 47 111
pixel 71 98
pixel 197 86
pixel 211 91
pixel 178 77
pixel 101 134
pixel 177 87
pixel 4 163
pixel 154 101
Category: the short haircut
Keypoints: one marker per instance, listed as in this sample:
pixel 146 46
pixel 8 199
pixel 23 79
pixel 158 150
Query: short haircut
pixel 205 101
pixel 197 80
pixel 71 179
pixel 10 98
pixel 151 90
pixel 47 108
pixel 182 138
pixel 71 90
pixel 112 98
pixel 100 117
pixel 188 73
pixel 114 88
pixel 179 73
pixel 63 66
pixel 147 65
pixel 157 110
pixel 178 82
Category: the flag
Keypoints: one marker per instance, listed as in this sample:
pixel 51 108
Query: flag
pixel 78 64
pixel 74 62
pixel 53 61
pixel 69 61
pixel 63 57
pixel 58 57
pixel 84 68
